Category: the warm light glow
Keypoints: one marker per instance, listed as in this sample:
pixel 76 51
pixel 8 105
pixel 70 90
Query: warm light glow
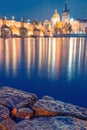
pixel 14 56
pixel 28 52
pixel 7 56
pixel 58 55
pixel 40 53
pixel 48 55
pixel 52 57
pixel 1 54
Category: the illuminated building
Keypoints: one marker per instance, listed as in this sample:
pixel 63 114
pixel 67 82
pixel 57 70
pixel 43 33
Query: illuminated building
pixel 75 26
pixel 83 25
pixel 51 27
pixel 55 17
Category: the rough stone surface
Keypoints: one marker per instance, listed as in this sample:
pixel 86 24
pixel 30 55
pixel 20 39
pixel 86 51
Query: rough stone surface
pixel 15 112
pixel 52 123
pixel 7 124
pixel 4 113
pixel 24 113
pixel 48 98
pixel 46 107
pixel 11 98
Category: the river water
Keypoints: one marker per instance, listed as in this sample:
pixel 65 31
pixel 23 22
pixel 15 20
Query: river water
pixel 46 66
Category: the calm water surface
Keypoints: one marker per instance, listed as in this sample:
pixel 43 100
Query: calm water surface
pixel 46 66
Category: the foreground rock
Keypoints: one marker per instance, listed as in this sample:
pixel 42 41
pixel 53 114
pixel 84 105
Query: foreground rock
pixel 23 113
pixel 4 113
pixel 52 123
pixel 17 107
pixel 7 124
pixel 47 106
pixel 13 98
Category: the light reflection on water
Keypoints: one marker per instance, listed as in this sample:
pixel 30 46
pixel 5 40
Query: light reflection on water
pixel 46 66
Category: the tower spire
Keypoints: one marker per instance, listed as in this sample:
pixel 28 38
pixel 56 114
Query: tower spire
pixel 65 7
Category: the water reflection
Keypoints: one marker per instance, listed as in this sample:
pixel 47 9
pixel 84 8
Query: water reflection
pixel 50 58
pixel 10 55
pixel 29 55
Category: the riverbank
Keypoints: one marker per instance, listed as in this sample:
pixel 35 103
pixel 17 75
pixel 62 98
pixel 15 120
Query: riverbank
pixel 55 35
pixel 71 35
pixel 20 110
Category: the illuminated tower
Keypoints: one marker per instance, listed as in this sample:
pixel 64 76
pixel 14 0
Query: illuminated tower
pixel 5 30
pixel 23 30
pixel 55 17
pixel 4 20
pixel 66 14
pixel 22 22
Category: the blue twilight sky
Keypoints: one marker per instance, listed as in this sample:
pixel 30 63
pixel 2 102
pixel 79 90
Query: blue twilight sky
pixel 41 9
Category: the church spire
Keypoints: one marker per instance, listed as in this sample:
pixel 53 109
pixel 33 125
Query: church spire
pixel 65 8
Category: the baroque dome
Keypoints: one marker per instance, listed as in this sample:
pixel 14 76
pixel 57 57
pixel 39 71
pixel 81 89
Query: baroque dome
pixel 56 14
pixel 55 17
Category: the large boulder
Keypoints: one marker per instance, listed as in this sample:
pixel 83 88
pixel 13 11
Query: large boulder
pixel 13 98
pixel 47 106
pixel 4 113
pixel 52 123
pixel 7 124
pixel 23 113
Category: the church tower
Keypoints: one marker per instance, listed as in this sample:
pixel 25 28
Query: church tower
pixel 66 14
